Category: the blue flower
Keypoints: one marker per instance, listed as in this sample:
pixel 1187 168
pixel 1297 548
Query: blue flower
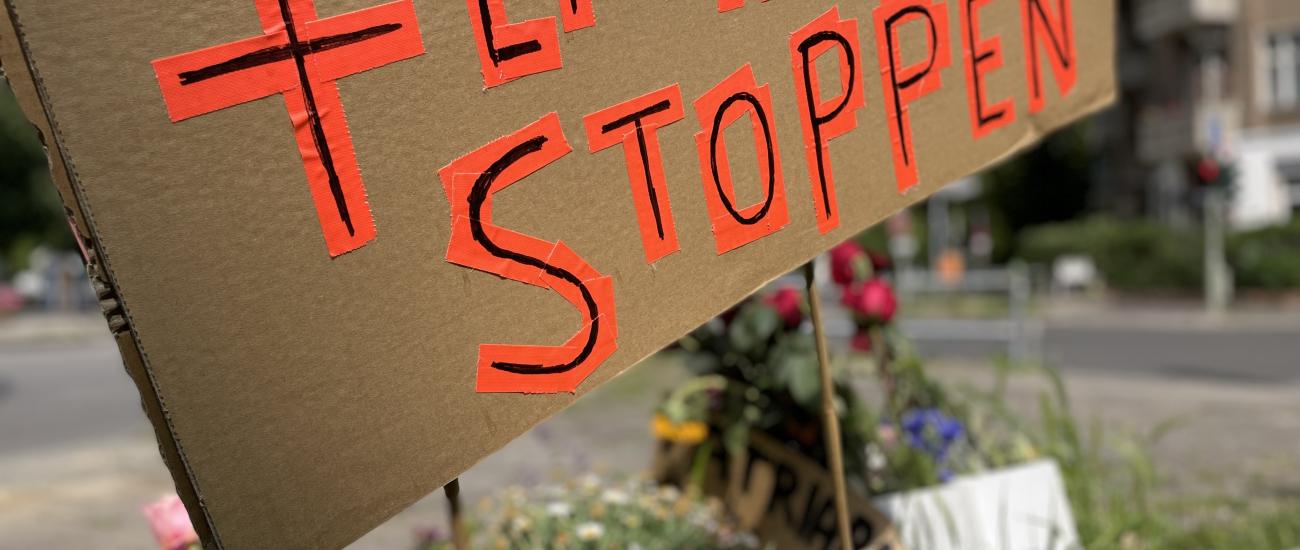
pixel 950 429
pixel 933 433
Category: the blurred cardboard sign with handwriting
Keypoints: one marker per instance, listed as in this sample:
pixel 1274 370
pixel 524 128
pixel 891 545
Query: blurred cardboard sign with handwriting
pixel 351 247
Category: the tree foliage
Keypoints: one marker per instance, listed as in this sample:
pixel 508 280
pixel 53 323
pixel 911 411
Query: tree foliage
pixel 30 212
pixel 1050 183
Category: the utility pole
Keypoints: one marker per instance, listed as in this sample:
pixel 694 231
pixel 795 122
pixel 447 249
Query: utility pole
pixel 1218 277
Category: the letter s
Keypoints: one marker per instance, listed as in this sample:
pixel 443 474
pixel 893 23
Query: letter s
pixel 470 182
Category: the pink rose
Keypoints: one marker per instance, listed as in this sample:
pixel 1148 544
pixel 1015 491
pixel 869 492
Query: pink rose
pixel 787 302
pixel 843 258
pixel 877 302
pixel 170 523
pixel 887 434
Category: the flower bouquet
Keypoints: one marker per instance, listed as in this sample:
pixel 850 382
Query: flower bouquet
pixel 755 371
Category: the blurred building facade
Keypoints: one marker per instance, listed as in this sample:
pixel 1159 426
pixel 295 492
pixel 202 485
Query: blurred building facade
pixel 1218 78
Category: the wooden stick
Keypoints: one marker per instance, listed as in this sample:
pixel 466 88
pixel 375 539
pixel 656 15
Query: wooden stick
pixel 459 536
pixel 830 419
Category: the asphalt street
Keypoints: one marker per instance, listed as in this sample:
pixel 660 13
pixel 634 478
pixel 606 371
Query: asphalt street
pixel 1254 354
pixel 54 394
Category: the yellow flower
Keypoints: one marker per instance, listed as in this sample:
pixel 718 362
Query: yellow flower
pixel 689 432
pixel 632 521
pixel 681 507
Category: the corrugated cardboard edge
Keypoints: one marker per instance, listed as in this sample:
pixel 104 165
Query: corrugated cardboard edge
pixel 25 80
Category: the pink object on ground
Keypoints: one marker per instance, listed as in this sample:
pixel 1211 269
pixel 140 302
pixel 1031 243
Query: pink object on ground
pixel 170 523
pixel 10 300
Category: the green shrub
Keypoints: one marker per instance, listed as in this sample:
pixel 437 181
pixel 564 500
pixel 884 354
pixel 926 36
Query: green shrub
pixel 1141 255
pixel 1131 255
pixel 1267 258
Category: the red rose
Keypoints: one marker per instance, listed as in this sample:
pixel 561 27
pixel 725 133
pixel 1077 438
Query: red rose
pixel 861 341
pixel 843 258
pixel 879 262
pixel 850 295
pixel 787 302
pixel 877 301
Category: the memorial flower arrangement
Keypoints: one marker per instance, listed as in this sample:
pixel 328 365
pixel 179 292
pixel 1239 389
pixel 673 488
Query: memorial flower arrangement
pixel 593 513
pixel 755 368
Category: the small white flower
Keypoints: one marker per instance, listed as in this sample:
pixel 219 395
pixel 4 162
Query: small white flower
pixel 589 482
pixel 669 493
pixel 615 496
pixel 522 523
pixel 559 509
pixel 589 531
pixel 876 459
pixel 516 494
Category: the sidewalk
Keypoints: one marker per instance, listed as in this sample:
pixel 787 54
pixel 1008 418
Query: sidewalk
pixel 33 327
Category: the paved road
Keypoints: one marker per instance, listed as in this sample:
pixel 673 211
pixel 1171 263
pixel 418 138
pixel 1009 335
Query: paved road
pixel 1237 354
pixel 54 394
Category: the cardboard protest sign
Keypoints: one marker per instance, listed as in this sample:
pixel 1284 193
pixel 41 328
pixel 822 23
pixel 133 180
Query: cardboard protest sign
pixel 777 493
pixel 351 247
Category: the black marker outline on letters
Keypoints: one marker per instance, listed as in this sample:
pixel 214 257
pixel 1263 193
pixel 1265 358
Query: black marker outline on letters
pixel 478 196
pixel 805 49
pixel 635 118
pixel 298 51
pixel 914 79
pixel 771 160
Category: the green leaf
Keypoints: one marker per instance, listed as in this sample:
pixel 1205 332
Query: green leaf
pixel 736 438
pixel 753 327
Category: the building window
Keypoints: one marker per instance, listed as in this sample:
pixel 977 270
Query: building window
pixel 1282 72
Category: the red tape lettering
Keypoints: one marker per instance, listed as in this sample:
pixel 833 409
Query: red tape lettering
pixel 476 243
pixel 636 124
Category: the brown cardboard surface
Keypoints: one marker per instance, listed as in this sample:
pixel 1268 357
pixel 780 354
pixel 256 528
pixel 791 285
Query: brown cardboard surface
pixel 784 497
pixel 307 398
pixel 793 501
